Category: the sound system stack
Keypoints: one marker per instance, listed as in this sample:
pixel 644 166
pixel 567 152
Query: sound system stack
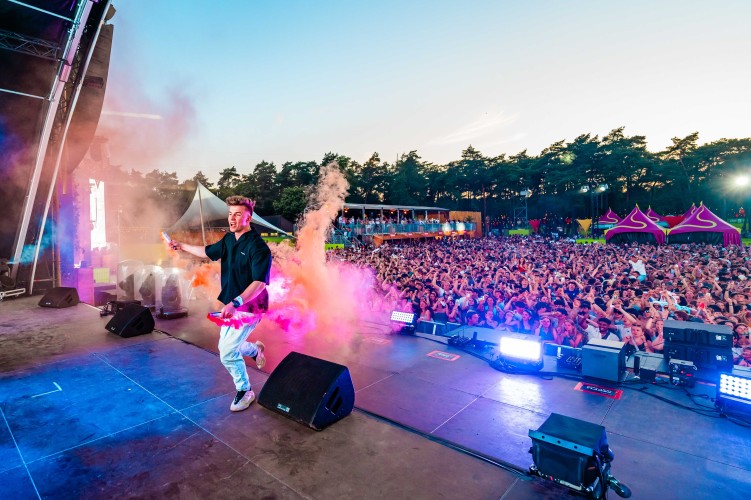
pixel 707 346
pixel 131 321
pixel 60 297
pixel 309 390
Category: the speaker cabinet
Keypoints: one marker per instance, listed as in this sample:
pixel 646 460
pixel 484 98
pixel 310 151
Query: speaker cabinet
pixel 309 390
pixel 604 359
pixel 60 297
pixel 131 321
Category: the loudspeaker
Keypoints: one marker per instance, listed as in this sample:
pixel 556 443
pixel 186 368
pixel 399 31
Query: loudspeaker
pixel 309 390
pixel 131 321
pixel 563 448
pixel 703 334
pixel 604 359
pixel 60 297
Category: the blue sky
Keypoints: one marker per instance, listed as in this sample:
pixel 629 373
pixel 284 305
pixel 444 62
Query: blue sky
pixel 238 82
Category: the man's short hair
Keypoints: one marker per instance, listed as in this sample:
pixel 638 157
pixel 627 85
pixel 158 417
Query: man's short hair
pixel 237 201
pixel 604 320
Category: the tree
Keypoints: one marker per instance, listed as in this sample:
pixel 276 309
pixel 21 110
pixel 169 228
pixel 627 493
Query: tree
pixel 679 160
pixel 292 202
pixel 369 181
pixel 202 179
pixel 228 180
pixel 408 182
pixel 301 173
pixel 627 166
pixel 261 186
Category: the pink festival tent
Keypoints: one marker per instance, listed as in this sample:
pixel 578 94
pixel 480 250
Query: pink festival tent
pixel 636 227
pixel 703 226
pixel 674 220
pixel 609 217
pixel 656 218
pixel 689 211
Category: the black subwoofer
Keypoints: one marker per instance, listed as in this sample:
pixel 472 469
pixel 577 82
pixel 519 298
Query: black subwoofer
pixel 312 391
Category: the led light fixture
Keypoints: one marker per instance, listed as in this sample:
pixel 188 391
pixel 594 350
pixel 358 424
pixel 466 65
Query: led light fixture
pixel 734 390
pixel 403 317
pixel 518 352
pixel 403 322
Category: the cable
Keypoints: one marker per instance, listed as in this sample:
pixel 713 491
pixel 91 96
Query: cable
pixel 449 444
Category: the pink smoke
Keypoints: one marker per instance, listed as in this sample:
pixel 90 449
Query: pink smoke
pixel 310 295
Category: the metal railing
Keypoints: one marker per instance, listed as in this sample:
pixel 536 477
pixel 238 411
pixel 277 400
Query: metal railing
pixel 366 229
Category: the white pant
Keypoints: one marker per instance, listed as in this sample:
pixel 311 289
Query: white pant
pixel 233 345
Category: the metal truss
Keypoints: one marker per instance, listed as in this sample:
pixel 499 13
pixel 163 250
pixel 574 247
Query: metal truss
pixel 29 45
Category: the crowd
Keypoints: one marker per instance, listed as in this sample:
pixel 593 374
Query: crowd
pixel 564 292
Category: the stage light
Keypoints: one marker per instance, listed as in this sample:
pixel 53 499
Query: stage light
pixel 518 352
pixel 734 390
pixel 403 317
pixel 574 453
pixel 404 322
pixel 148 291
pixel 128 286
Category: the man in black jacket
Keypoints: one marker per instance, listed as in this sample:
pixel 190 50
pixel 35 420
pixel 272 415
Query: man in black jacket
pixel 246 264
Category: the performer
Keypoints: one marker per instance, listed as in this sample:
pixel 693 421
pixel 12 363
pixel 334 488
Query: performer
pixel 246 264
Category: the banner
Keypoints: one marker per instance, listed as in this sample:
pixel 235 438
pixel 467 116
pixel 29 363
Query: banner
pixel 535 223
pixel 585 224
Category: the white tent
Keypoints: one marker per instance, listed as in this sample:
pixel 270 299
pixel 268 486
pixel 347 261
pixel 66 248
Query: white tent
pixel 205 207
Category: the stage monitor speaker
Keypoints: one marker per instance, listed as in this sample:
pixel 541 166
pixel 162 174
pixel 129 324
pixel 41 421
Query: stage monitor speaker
pixel 60 297
pixel 131 321
pixel 563 448
pixel 311 391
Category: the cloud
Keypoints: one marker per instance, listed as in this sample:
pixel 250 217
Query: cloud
pixel 128 114
pixel 488 124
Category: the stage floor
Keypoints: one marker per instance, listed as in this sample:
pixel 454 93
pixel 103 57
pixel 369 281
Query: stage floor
pixel 86 413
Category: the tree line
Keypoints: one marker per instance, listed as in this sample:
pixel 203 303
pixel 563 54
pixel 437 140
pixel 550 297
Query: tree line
pixel 567 179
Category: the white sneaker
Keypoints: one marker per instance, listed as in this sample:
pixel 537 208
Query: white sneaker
pixel 260 358
pixel 242 400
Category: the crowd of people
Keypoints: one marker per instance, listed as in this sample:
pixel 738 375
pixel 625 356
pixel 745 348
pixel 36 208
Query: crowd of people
pixel 564 292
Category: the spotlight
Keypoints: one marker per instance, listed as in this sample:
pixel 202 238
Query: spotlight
pixel 404 322
pixel 518 352
pixel 148 291
pixel 575 454
pixel 171 299
pixel 128 287
pixel 734 390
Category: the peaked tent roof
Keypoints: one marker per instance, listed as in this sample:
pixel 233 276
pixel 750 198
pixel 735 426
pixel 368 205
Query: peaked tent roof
pixel 703 225
pixel 654 215
pixel 690 211
pixel 636 227
pixel 610 217
pixel 213 208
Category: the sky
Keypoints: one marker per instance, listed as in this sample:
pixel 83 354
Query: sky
pixel 237 82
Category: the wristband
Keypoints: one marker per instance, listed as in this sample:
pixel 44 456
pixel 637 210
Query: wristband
pixel 237 301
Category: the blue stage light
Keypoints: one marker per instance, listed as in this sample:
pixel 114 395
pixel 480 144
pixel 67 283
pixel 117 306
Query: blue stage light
pixel 734 390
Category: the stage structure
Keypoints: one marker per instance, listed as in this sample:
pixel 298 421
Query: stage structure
pixel 55 58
